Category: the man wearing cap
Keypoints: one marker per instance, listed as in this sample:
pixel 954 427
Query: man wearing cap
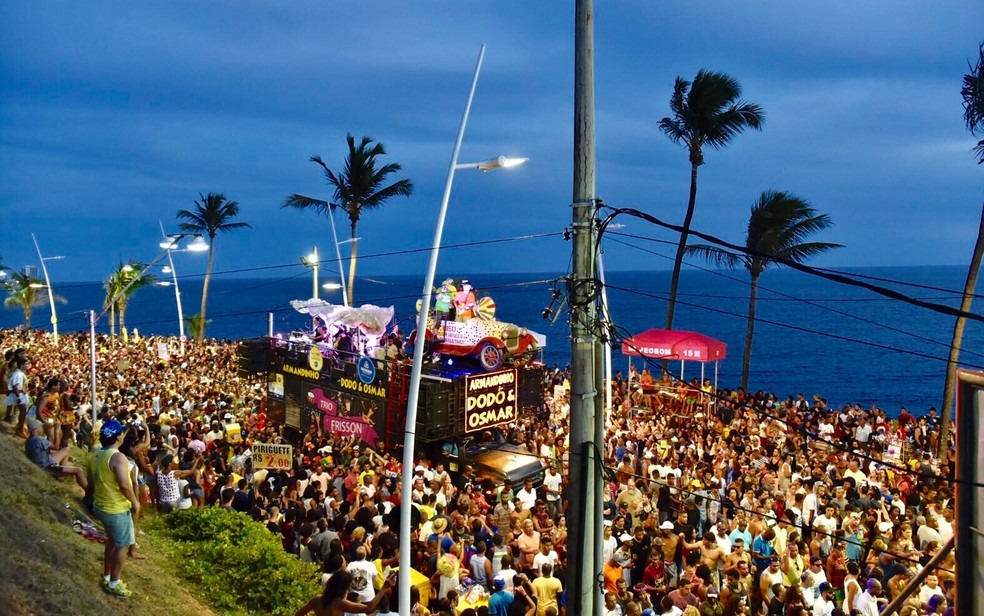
pixel 38 450
pixel 711 606
pixel 442 305
pixel 670 542
pixel 464 302
pixel 114 500
pixel 501 599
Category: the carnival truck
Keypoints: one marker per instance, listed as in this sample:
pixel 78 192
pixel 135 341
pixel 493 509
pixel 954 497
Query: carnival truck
pixel 361 389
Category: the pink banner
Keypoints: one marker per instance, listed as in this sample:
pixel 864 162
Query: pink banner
pixel 346 426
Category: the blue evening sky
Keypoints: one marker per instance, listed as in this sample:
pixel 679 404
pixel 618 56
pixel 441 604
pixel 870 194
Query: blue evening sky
pixel 114 115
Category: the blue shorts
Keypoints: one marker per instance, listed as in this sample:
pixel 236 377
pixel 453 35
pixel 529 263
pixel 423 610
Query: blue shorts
pixel 119 527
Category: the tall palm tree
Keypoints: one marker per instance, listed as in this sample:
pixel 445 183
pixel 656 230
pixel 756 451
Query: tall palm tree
pixel 122 284
pixel 25 292
pixel 357 189
pixel 212 214
pixel 778 227
pixel 973 104
pixel 708 111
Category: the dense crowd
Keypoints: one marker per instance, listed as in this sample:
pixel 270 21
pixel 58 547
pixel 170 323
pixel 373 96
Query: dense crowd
pixel 716 503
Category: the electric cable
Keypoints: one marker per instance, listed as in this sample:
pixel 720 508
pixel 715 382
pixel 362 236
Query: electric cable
pixel 798 328
pixel 831 275
pixel 802 300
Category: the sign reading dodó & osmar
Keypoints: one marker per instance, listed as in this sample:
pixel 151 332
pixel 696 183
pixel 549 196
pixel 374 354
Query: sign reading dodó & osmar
pixel 491 399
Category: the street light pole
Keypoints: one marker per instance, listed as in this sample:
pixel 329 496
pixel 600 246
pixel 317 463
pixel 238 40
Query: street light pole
pixel 409 438
pixel 177 292
pixel 169 243
pixel 338 256
pixel 314 265
pixel 51 292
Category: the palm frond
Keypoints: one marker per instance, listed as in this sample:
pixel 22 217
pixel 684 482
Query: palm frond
pixel 724 259
pixel 799 253
pixel 302 202
pixel 972 93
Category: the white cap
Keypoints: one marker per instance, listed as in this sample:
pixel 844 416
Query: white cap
pixel 667 525
pixel 625 537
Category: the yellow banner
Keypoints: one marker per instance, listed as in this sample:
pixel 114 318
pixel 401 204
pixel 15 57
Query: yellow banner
pixel 267 455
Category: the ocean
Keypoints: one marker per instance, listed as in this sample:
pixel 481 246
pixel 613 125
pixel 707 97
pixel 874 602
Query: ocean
pixel 813 336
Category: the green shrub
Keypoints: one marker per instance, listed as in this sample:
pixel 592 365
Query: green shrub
pixel 237 563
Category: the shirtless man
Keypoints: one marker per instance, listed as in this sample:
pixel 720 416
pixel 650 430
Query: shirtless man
pixel 711 555
pixel 738 555
pixel 671 541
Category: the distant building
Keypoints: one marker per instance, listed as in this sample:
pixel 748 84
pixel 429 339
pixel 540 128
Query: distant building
pixel 31 271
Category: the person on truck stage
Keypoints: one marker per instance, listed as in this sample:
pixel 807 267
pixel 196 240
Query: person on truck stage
pixel 464 302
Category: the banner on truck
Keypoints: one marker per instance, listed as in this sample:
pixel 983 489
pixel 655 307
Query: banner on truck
pixel 491 399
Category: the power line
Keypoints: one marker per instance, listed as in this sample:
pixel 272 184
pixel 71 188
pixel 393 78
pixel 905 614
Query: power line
pixel 835 277
pixel 904 283
pixel 809 302
pixel 798 328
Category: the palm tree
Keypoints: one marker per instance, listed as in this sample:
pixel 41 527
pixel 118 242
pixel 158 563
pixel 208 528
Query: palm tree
pixel 357 189
pixel 24 292
pixel 973 104
pixel 706 112
pixel 212 214
pixel 122 284
pixel 196 325
pixel 779 224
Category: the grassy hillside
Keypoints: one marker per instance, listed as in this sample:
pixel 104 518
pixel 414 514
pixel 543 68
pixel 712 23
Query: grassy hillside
pixel 48 569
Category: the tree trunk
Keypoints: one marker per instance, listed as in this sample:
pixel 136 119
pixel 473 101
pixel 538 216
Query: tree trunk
pixel 27 317
pixel 112 319
pixel 122 316
pixel 746 356
pixel 351 280
pixel 949 383
pixel 208 278
pixel 681 247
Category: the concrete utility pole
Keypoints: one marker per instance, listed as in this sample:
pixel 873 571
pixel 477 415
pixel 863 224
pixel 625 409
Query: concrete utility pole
pixel 583 466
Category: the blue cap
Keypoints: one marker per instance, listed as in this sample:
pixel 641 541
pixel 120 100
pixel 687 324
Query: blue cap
pixel 112 428
pixel 499 581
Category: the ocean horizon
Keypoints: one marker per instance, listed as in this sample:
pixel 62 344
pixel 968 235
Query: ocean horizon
pixel 812 336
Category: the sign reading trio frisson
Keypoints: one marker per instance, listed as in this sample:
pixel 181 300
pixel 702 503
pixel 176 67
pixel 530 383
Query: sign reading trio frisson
pixel 267 455
pixel 491 399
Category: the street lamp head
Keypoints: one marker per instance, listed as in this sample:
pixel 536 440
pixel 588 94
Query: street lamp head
pixel 170 243
pixel 331 286
pixel 198 244
pixel 166 269
pixel 36 285
pixel 501 162
pixel 164 283
pixel 127 268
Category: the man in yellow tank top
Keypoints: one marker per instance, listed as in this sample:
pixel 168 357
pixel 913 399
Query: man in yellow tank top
pixel 115 503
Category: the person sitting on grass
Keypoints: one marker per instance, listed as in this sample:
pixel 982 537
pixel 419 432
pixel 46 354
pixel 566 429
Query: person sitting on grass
pixel 38 450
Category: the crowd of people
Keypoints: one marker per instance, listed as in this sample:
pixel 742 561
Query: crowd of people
pixel 716 503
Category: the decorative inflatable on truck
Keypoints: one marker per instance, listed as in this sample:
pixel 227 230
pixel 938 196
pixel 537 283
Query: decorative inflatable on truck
pixel 473 332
